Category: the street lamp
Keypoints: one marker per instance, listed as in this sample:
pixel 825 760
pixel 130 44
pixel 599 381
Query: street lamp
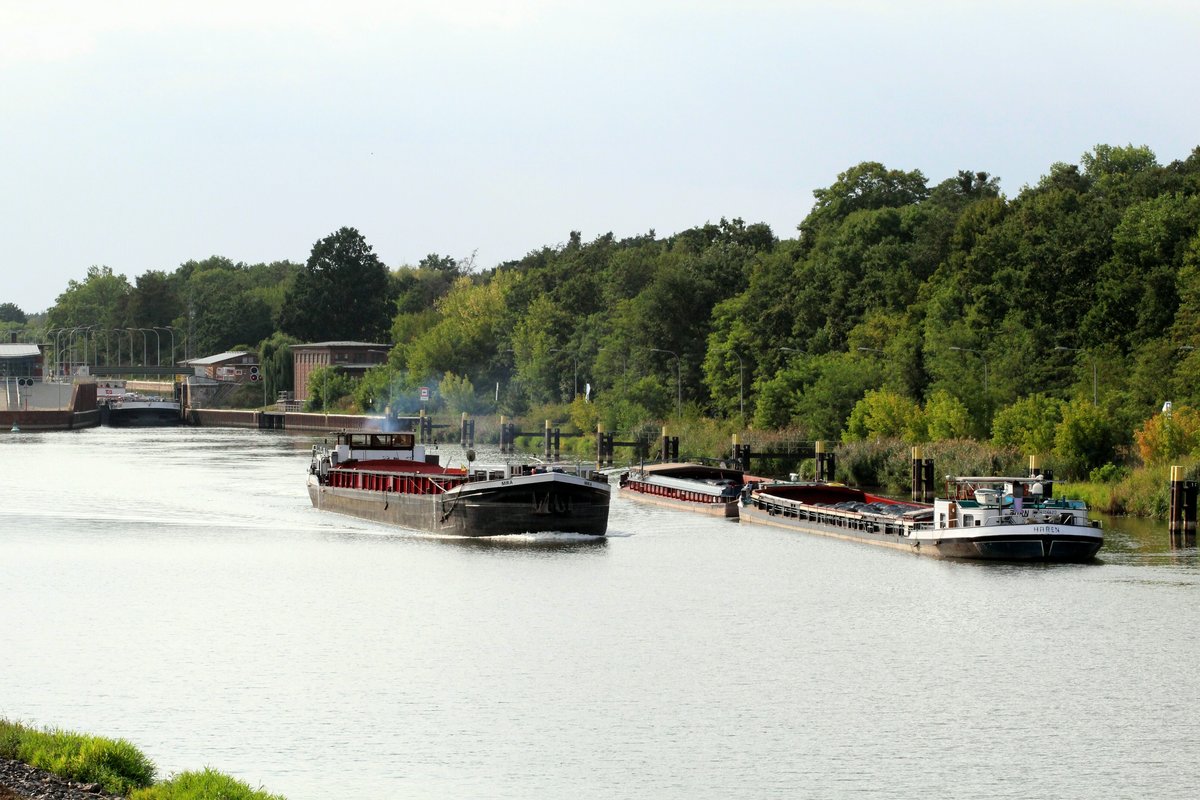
pixel 982 358
pixel 678 381
pixel 741 382
pixel 575 359
pixel 792 350
pixel 170 330
pixel 877 350
pixel 1079 350
pixel 157 345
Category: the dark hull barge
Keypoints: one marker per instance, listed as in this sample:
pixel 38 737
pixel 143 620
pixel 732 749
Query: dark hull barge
pixel 388 478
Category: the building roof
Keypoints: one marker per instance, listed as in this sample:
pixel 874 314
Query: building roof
pixel 19 350
pixel 343 344
pixel 217 359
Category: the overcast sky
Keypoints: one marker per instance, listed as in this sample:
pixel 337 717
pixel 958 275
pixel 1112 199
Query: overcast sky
pixel 140 134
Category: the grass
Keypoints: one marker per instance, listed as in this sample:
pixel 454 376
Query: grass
pixel 116 765
pixel 205 784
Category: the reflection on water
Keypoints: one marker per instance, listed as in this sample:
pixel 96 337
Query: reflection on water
pixel 1137 540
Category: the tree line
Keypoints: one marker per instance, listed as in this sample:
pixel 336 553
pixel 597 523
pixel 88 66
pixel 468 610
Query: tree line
pixel 1062 317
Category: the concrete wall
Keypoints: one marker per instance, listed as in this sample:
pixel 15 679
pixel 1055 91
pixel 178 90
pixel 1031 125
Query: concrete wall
pixel 79 411
pixel 39 397
pixel 292 421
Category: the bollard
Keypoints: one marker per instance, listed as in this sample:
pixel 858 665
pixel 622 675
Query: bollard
pixel 1181 516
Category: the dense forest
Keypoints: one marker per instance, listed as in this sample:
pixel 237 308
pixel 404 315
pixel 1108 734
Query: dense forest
pixel 1062 318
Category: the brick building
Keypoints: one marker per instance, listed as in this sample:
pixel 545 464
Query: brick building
pixel 352 358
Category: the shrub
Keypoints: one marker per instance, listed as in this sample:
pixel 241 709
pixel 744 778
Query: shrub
pixel 1109 473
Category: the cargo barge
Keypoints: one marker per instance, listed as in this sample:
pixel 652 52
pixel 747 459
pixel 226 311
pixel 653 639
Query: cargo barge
pixel 686 486
pixel 990 518
pixel 389 478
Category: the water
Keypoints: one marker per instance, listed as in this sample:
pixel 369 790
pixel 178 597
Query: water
pixel 175 588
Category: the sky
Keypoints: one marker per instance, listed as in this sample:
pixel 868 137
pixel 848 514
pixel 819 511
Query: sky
pixel 142 134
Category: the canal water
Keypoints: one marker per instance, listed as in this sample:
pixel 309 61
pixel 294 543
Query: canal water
pixel 174 587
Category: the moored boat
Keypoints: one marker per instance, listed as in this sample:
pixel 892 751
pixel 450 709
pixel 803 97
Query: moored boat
pixel 135 410
pixel 389 478
pixel 692 487
pixel 992 518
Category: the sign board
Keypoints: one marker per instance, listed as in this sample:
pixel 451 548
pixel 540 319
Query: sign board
pixel 424 394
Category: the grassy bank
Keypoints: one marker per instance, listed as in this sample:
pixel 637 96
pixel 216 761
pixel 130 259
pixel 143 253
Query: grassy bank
pixel 115 764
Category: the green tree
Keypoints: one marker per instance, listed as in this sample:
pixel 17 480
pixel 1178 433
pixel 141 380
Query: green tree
pixel 1029 424
pixel 276 364
pixel 101 299
pixel 459 394
pixel 11 312
pixel 1084 439
pixel 327 389
pixel 154 301
pixel 343 293
pixel 946 417
pixel 885 415
pixel 224 311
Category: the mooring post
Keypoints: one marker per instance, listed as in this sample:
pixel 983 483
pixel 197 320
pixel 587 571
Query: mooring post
pixel 930 491
pixel 1182 512
pixel 599 445
pixel 503 431
pixel 664 449
pixel 546 440
pixel 557 451
pixel 826 465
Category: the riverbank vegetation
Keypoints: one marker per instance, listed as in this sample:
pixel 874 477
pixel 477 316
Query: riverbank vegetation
pixel 115 765
pixel 1061 320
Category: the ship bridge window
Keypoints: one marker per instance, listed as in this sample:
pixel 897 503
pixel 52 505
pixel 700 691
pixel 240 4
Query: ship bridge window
pixel 968 520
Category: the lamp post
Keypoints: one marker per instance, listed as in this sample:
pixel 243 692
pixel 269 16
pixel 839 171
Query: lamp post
pixel 1079 350
pixel 877 350
pixel 982 358
pixel 741 383
pixel 575 359
pixel 170 330
pixel 157 345
pixel 792 350
pixel 678 381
